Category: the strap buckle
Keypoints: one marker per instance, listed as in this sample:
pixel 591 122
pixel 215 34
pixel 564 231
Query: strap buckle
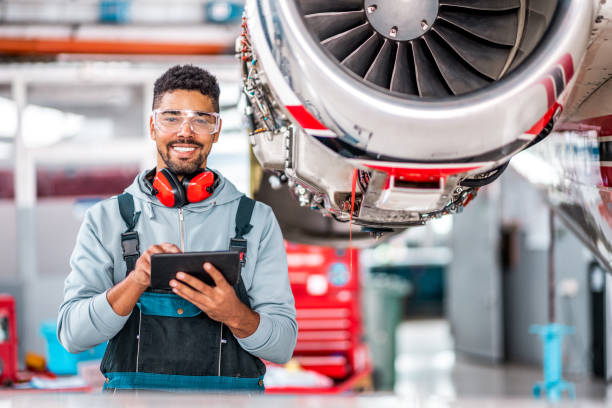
pixel 130 244
pixel 239 245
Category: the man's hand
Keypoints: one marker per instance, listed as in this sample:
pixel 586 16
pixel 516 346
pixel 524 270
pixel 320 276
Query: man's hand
pixel 142 271
pixel 123 296
pixel 220 303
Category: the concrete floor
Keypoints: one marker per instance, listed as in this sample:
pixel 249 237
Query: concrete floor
pixel 427 367
pixel 306 401
pixel 428 375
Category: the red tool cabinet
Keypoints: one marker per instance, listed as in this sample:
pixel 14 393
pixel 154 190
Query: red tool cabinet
pixel 8 340
pixel 326 292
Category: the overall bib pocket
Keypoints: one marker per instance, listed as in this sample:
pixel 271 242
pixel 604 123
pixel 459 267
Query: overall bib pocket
pixel 176 337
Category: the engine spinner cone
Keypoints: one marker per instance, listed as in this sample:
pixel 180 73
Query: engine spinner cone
pixel 401 20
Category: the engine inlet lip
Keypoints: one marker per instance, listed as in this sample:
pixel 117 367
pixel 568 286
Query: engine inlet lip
pixel 493 116
pixel 529 72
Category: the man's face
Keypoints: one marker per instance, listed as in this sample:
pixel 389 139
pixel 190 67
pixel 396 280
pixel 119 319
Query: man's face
pixel 183 161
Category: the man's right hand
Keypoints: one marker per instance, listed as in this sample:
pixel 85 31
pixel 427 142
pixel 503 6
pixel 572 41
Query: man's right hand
pixel 142 271
pixel 123 296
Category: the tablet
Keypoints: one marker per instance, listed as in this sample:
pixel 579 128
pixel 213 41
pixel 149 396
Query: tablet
pixel 165 266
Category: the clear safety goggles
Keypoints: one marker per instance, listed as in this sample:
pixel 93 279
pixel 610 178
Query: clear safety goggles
pixel 171 121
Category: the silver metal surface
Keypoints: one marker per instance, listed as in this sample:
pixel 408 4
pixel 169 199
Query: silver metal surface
pixel 285 68
pixel 568 169
pixel 269 148
pixel 415 129
pixel 372 211
pixel 413 199
pixel 573 165
pixel 401 20
pixel 338 172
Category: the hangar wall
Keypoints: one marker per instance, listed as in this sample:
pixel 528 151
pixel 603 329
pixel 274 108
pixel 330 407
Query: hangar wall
pixel 527 304
pixel 474 279
pixel 513 296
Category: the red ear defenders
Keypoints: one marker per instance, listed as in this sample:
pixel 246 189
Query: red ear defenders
pixel 174 193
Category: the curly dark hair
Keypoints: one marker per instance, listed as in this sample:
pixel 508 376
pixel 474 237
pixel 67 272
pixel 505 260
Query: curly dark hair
pixel 187 77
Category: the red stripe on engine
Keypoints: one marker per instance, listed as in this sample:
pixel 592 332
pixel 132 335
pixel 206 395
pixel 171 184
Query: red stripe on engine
pixel 422 174
pixel 541 124
pixel 305 118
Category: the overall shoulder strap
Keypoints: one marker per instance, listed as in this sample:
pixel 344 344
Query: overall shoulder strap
pixel 126 208
pixel 243 216
pixel 243 226
pixel 129 239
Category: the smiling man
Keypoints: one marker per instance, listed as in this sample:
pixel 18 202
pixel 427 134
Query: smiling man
pixel 197 337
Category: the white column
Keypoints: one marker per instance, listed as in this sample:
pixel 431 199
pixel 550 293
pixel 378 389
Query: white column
pixel 25 191
pixel 149 155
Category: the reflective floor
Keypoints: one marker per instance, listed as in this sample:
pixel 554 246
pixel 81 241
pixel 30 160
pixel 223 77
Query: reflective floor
pixel 427 367
pixel 428 374
pixel 362 401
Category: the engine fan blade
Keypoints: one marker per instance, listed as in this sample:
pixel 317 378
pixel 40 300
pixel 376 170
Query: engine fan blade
pixel 326 25
pixel 360 60
pixel 488 59
pixel 429 79
pixel 539 16
pixel 324 6
pixel 459 77
pixel 545 8
pixel 497 28
pixel 382 68
pixel 489 5
pixel 403 79
pixel 341 45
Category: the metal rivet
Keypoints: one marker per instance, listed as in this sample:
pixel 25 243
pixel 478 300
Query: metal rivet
pixel 180 311
pixel 393 32
pixel 424 25
pixel 372 8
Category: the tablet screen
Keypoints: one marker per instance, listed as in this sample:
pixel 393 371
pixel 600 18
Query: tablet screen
pixel 165 266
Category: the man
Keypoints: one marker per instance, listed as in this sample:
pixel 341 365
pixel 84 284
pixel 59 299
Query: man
pixel 198 337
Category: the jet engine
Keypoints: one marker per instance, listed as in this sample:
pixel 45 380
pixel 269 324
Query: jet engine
pixel 395 112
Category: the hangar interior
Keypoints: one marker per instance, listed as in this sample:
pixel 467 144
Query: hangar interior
pixel 444 309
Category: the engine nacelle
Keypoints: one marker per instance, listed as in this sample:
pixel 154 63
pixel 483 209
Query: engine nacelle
pixel 409 107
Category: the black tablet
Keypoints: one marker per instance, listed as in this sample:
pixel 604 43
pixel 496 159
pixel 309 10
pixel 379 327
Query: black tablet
pixel 165 266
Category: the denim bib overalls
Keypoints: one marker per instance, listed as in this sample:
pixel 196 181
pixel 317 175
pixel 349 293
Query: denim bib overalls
pixel 169 344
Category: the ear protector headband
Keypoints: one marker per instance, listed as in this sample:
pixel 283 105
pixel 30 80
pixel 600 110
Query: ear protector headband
pixel 171 192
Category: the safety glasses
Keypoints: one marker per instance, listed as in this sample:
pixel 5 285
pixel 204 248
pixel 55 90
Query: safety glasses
pixel 171 121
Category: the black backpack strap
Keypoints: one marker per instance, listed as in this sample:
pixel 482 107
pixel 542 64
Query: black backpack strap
pixel 243 226
pixel 129 239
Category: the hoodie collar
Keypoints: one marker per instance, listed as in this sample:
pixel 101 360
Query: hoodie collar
pixel 224 192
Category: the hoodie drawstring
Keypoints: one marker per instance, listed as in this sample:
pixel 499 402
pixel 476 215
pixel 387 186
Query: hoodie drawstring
pixel 149 210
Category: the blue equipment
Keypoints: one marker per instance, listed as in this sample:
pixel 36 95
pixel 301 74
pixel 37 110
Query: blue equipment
pixel 552 341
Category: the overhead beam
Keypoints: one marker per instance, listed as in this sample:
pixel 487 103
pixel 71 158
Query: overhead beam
pixel 21 46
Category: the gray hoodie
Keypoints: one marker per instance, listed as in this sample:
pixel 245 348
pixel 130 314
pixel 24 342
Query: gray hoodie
pixel 87 319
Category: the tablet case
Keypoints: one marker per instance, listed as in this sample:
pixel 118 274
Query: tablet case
pixel 165 266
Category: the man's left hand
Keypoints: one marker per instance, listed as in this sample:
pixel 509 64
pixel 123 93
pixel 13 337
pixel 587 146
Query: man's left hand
pixel 220 302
